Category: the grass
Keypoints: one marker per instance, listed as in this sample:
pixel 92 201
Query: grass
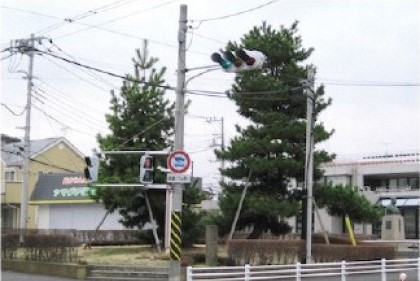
pixel 137 255
pixel 123 255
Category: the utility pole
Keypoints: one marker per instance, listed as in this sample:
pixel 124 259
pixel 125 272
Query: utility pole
pixel 222 138
pixel 27 46
pixel 175 249
pixel 309 163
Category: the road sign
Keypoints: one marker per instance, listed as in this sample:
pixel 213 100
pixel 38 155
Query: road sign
pixel 178 178
pixel 178 162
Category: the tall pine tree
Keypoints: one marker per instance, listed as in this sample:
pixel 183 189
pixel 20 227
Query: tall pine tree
pixel 271 150
pixel 140 119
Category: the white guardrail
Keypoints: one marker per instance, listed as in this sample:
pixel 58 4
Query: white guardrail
pixel 302 272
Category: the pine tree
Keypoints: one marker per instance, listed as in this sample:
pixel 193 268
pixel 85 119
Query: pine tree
pixel 271 150
pixel 141 119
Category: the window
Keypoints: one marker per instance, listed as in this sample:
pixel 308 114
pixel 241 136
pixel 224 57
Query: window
pixel 402 182
pixel 414 183
pixel 10 175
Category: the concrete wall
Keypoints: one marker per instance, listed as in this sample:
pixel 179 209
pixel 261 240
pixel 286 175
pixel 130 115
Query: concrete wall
pixel 77 216
pixel 43 268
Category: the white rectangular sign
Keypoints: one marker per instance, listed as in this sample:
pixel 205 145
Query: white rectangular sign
pixel 178 178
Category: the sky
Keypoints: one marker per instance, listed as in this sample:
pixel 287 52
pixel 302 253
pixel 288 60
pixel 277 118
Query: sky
pixel 366 52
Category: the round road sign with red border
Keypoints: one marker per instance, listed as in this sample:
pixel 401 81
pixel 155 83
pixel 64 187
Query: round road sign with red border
pixel 178 161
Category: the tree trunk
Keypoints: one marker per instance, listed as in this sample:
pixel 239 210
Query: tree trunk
pixel 257 231
pixel 91 237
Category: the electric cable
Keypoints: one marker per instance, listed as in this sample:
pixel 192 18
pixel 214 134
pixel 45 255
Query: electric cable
pixel 14 113
pixel 166 87
pixel 234 14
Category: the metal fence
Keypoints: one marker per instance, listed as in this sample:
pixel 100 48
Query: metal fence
pixel 343 271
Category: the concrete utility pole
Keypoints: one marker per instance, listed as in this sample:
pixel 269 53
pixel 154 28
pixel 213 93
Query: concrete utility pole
pixel 26 46
pixel 222 138
pixel 309 163
pixel 29 44
pixel 175 249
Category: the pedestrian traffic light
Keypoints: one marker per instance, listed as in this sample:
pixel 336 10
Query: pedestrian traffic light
pixel 92 168
pixel 146 169
pixel 239 61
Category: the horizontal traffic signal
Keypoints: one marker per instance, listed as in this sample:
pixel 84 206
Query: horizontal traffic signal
pixel 240 60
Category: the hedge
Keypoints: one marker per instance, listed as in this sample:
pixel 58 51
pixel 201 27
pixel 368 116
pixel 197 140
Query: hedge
pixel 272 251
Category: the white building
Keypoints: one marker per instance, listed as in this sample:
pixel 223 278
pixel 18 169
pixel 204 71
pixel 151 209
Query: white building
pixel 379 178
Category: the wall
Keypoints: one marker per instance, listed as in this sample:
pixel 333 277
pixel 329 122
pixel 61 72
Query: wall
pixel 77 216
pixel 57 269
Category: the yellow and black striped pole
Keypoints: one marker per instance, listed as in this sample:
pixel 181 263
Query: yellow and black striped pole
pixel 175 249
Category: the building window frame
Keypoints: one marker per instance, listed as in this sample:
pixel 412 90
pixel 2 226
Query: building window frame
pixel 10 174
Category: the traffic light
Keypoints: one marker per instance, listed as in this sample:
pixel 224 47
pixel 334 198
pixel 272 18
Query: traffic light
pixel 239 61
pixel 92 167
pixel 146 169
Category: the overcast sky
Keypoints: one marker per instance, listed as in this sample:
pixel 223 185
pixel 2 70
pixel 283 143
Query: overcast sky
pixel 366 54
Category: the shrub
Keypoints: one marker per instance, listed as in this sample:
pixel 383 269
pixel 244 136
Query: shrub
pixel 49 247
pixel 261 252
pixel 265 252
pixel 9 245
pixel 333 253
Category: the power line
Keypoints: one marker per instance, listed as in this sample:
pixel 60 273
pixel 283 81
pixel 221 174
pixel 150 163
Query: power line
pixel 14 113
pixel 61 123
pixel 98 26
pixel 74 111
pixel 235 14
pixel 30 12
pixel 350 83
pixel 166 87
pixel 67 96
pixel 116 19
pixel 77 75
pixel 88 72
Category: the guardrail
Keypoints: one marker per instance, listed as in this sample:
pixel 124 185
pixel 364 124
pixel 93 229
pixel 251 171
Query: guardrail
pixel 299 272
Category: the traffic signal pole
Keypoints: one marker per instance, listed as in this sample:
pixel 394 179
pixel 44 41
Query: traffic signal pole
pixel 175 241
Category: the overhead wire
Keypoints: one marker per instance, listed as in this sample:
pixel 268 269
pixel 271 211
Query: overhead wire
pixel 234 14
pixel 68 97
pixel 14 113
pixel 88 72
pixel 98 25
pixel 84 15
pixel 65 106
pixel 76 75
pixel 61 123
pixel 107 72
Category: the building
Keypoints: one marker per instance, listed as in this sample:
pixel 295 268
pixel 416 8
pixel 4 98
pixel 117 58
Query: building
pixel 51 155
pixel 380 178
pixel 64 201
